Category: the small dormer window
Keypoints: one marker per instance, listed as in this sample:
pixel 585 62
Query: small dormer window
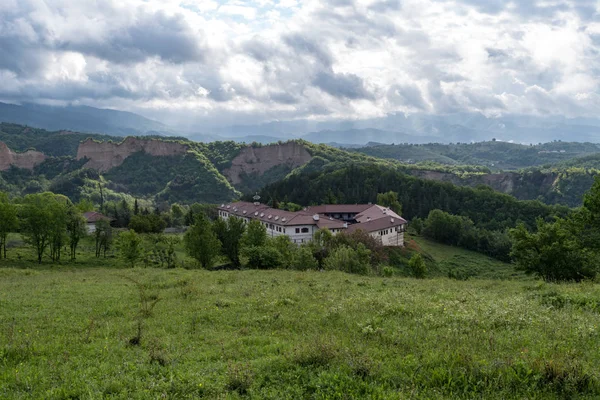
pixel 228 207
pixel 262 215
pixel 276 218
pixel 283 219
pixel 256 214
pixel 244 212
pixel 270 216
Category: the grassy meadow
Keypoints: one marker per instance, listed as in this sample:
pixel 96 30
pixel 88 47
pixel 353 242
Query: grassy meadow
pixel 94 329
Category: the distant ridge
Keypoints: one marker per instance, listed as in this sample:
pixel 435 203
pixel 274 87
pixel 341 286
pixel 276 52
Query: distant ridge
pixel 81 119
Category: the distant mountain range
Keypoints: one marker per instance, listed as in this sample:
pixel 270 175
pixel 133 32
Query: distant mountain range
pixel 394 128
pixel 81 119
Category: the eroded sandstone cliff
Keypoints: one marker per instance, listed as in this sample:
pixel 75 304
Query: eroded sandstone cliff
pixel 106 155
pixel 27 160
pixel 261 159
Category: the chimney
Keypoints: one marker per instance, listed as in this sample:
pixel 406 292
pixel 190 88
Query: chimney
pixel 392 220
pixel 345 225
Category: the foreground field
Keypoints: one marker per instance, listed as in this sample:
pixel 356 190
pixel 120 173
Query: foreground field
pixel 77 333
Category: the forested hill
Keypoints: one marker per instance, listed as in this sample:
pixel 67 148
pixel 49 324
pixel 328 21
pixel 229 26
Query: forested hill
pixel 495 155
pixel 154 169
pixel 361 184
pixel 167 170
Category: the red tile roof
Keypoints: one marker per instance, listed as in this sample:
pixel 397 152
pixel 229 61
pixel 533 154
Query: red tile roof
pixel 338 208
pixel 93 216
pixel 377 225
pixel 376 212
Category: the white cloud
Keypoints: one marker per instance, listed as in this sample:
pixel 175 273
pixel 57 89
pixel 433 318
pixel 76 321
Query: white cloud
pixel 305 59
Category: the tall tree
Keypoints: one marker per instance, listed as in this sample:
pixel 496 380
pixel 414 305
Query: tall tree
pixel 230 233
pixel 125 214
pixel 390 200
pixel 76 229
pixel 103 236
pixel 553 252
pixel 101 197
pixel 201 242
pixel 256 234
pixel 177 214
pixel 41 224
pixel 8 220
pixel 58 235
pixel 130 247
pixel 85 205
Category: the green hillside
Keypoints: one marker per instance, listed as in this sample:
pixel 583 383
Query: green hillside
pixel 155 333
pixel 201 175
pixel 453 261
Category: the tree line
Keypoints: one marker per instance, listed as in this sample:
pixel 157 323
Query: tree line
pixel 240 243
pixel 48 222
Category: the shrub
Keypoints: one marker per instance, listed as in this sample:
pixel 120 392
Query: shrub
pixel 150 223
pixel 387 272
pixel 349 260
pixel 130 247
pixel 417 266
pixel 304 259
pixel 263 257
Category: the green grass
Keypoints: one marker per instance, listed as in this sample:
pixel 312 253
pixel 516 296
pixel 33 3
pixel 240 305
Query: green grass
pixel 464 264
pixel 95 329
pixel 94 333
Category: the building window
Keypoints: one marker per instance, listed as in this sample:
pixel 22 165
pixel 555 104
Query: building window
pixel 297 230
pixel 304 230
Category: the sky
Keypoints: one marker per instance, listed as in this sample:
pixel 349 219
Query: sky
pixel 262 60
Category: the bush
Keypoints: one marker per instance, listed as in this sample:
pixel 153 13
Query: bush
pixel 388 272
pixel 553 253
pixel 349 260
pixel 150 223
pixel 304 259
pixel 263 257
pixel 417 266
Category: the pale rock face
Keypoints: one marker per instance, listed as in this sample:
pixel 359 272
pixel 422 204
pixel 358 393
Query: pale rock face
pixel 26 160
pixel 260 160
pixel 106 155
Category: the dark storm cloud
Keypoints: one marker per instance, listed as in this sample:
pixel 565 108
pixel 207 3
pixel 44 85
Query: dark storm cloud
pixel 149 35
pixel 28 34
pixel 283 98
pixel 310 47
pixel 347 86
pixel 407 95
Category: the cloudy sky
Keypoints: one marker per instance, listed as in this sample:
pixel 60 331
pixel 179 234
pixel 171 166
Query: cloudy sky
pixel 286 59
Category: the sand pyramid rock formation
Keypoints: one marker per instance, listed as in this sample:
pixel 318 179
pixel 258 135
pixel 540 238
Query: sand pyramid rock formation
pixel 26 160
pixel 261 159
pixel 106 155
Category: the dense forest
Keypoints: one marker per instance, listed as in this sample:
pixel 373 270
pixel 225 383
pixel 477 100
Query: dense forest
pixel 358 183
